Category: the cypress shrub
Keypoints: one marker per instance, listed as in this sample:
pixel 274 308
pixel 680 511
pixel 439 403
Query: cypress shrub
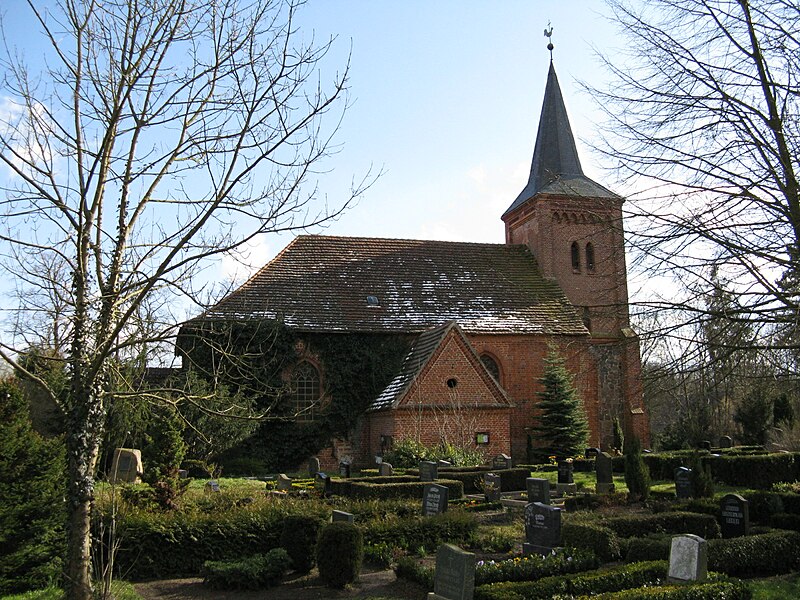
pixel 299 539
pixel 637 477
pixel 702 482
pixel 340 551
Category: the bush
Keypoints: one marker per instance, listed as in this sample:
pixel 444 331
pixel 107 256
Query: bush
pixel 299 539
pixel 414 533
pixel 532 567
pixel 762 555
pixel 729 590
pixel 651 548
pixel 637 477
pixel 702 482
pixel 340 551
pixel 251 573
pixel 706 526
pixel 602 541
pixel 387 491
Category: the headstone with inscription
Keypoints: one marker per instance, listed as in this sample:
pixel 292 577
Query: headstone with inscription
pixel 284 483
pixel 344 469
pixel 454 578
pixel 726 441
pixel 340 515
pixel 428 471
pixel 313 466
pixel 566 483
pixel 385 470
pixel 538 490
pixel 591 452
pixel 705 445
pixel 683 483
pixel 126 466
pixel 735 514
pixel 491 487
pixel 502 461
pixel 542 528
pixel 688 559
pixel 604 469
pixel 434 499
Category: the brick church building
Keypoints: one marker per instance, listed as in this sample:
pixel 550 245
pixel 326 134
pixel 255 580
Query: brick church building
pixel 478 319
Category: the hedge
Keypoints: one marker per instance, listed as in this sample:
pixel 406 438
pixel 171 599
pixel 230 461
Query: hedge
pixel 592 536
pixel 729 590
pixel 706 526
pixel 387 491
pixel 412 533
pixel 511 480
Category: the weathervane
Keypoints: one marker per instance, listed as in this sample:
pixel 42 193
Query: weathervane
pixel 548 33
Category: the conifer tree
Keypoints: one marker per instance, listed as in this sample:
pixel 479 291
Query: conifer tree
pixel 563 429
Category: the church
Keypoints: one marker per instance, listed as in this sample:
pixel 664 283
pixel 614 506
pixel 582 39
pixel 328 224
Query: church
pixel 476 320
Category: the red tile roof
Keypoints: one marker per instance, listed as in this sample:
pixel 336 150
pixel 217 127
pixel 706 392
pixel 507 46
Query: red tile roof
pixel 322 283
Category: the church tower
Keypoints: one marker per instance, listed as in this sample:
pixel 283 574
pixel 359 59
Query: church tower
pixel 573 226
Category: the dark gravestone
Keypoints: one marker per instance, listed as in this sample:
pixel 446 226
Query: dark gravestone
pixel 322 484
pixel 591 452
pixel 603 466
pixel 683 483
pixel 340 515
pixel 542 528
pixel 344 469
pixel 538 490
pixel 566 484
pixel 434 499
pixel 313 466
pixel 735 516
pixel 443 463
pixel 454 578
pixel 428 471
pixel 503 461
pixel 385 470
pixel 491 487
pixel 726 441
pixel 705 445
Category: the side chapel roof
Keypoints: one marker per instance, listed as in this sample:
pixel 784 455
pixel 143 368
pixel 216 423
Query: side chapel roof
pixel 323 283
pixel 556 168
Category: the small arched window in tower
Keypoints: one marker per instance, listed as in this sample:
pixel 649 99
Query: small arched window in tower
pixel 587 318
pixel 305 390
pixel 576 257
pixel 491 365
pixel 590 257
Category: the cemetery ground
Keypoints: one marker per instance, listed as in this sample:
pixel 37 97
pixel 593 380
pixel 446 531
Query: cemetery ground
pixel 604 544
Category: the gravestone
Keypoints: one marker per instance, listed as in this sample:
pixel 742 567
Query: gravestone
pixel 688 559
pixel 340 515
pixel 322 484
pixel 385 470
pixel 211 487
pixel 726 441
pixel 443 463
pixel 428 471
pixel 591 452
pixel 705 445
pixel 454 578
pixel 491 487
pixel 434 499
pixel 603 466
pixel 313 466
pixel 126 466
pixel 284 483
pixel 183 474
pixel 683 483
pixel 735 514
pixel 542 528
pixel 538 490
pixel 502 461
pixel 344 469
pixel 566 484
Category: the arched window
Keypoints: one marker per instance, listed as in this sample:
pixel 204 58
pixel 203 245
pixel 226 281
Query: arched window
pixel 305 390
pixel 576 257
pixel 590 257
pixel 491 366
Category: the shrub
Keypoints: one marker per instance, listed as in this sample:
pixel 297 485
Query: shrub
pixel 762 555
pixel 413 533
pixel 534 566
pixel 251 573
pixel 411 569
pixel 702 482
pixel 340 551
pixel 387 491
pixel 637 477
pixel 651 548
pixel 593 536
pixel 299 539
pixel 714 590
pixel 706 526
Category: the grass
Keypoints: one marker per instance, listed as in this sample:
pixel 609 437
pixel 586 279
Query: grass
pixel 121 590
pixel 776 588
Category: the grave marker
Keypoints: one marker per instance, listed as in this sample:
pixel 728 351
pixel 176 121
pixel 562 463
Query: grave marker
pixel 538 490
pixel 688 559
pixel 284 483
pixel 491 487
pixel 322 483
pixel 340 515
pixel 126 466
pixel 313 466
pixel 434 499
pixel 705 445
pixel 211 487
pixel 726 441
pixel 566 483
pixel 428 471
pixel 385 470
pixel 604 468
pixel 542 528
pixel 344 469
pixel 502 461
pixel 454 578
pixel 735 513
pixel 683 483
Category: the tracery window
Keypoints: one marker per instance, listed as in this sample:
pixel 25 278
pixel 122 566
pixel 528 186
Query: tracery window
pixel 305 390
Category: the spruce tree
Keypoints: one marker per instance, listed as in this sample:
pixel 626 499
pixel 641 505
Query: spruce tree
pixel 637 475
pixel 563 429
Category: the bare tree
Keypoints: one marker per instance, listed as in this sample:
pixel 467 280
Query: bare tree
pixel 703 127
pixel 159 135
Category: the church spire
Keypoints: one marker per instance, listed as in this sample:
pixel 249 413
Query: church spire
pixel 556 168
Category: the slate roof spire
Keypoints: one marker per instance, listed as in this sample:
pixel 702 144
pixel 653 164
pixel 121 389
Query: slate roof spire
pixel 556 168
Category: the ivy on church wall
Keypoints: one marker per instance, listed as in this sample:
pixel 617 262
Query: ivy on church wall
pixel 257 357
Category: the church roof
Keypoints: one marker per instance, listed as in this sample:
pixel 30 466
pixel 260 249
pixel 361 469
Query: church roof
pixel 326 283
pixel 556 168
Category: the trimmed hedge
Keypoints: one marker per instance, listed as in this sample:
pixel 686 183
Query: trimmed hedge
pixel 340 552
pixel 511 480
pixel 602 541
pixel 412 533
pixel 706 526
pixel 250 573
pixel 729 590
pixel 761 555
pixel 387 491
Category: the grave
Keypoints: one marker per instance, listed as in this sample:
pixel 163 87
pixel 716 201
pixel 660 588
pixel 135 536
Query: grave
pixel 313 466
pixel 735 514
pixel 428 471
pixel 454 578
pixel 385 470
pixel 284 483
pixel 322 484
pixel 126 466
pixel 211 487
pixel 491 487
pixel 443 463
pixel 502 461
pixel 603 466
pixel 705 445
pixel 538 490
pixel 340 515
pixel 683 483
pixel 434 499
pixel 344 469
pixel 566 483
pixel 591 452
pixel 726 441
pixel 688 559
pixel 542 529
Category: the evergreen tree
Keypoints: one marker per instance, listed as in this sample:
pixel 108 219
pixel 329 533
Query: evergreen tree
pixel 637 475
pixel 563 429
